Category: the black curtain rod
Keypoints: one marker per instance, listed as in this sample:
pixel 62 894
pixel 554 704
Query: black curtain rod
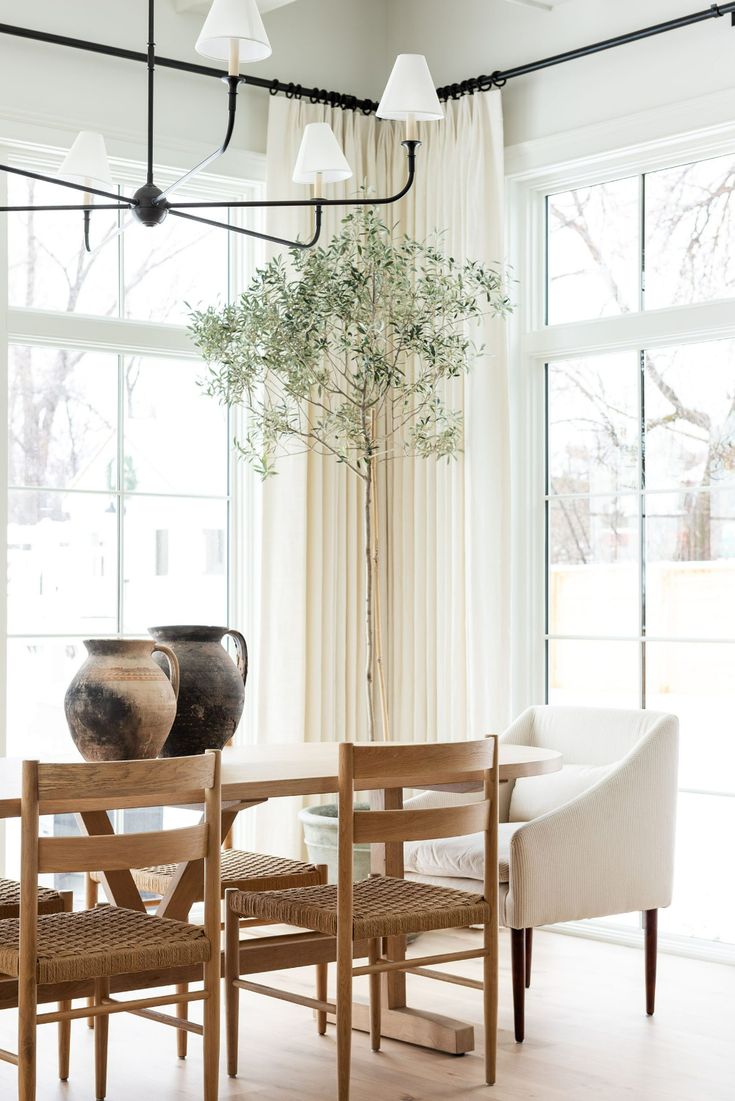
pixel 500 77
pixel 275 87
pixel 348 102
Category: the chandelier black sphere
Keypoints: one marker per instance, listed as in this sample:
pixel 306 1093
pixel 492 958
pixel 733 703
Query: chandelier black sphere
pixel 148 210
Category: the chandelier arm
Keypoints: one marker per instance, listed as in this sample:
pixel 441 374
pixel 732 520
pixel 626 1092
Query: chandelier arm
pixel 67 183
pixel 254 233
pixel 258 204
pixel 88 208
pixel 233 82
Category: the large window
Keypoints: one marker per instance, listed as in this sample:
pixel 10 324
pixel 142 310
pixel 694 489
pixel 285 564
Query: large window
pixel 120 495
pixel 633 355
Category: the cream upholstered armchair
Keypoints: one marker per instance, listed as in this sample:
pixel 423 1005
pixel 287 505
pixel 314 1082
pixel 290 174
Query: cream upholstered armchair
pixel 596 838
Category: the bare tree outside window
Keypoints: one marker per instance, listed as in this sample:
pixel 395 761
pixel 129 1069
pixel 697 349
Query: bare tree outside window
pixel 689 392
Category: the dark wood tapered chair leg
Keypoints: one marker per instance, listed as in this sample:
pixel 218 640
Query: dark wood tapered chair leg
pixel 518 963
pixel 650 923
pixel 529 950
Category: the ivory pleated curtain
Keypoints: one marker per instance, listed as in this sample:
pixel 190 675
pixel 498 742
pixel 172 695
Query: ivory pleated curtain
pixel 445 528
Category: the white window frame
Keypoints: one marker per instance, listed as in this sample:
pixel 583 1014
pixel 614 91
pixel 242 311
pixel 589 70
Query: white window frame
pixel 130 337
pixel 533 343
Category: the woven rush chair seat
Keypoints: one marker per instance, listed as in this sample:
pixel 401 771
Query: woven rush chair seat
pixel 382 907
pixel 49 901
pixel 94 944
pixel 238 870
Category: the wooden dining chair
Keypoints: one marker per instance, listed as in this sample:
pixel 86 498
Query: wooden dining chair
pixel 54 954
pixel 49 901
pixel 240 871
pixel 362 916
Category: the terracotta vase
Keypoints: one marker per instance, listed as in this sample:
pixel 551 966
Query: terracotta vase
pixel 212 687
pixel 120 706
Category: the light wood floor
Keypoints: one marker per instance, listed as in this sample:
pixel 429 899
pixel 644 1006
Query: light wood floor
pixel 587 1037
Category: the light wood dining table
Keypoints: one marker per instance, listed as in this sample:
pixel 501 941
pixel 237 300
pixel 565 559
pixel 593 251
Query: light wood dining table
pixel 250 776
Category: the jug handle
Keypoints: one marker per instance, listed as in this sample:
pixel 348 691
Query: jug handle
pixel 242 653
pixel 173 664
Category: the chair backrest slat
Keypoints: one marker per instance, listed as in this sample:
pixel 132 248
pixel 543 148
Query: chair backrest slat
pixel 409 765
pixel 420 825
pixel 115 852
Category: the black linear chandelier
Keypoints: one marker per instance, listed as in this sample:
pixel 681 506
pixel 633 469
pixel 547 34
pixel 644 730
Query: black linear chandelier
pixel 233 31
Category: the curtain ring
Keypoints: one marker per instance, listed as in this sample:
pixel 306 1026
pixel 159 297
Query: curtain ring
pixel 716 11
pixel 290 91
pixel 497 80
pixel 273 90
pixel 299 92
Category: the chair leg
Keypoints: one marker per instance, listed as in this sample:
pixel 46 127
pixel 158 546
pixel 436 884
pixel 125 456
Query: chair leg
pixel 101 1032
pixel 65 1026
pixel 344 1019
pixel 182 1012
pixel 490 999
pixel 211 1030
pixel 322 972
pixel 322 984
pixel 373 957
pixel 650 920
pixel 529 950
pixel 91 895
pixel 517 953
pixel 27 1040
pixel 232 994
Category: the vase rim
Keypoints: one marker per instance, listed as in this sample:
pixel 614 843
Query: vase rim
pixel 196 632
pixel 116 645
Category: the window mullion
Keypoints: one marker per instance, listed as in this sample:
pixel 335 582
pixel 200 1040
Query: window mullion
pixel 643 528
pixel 119 497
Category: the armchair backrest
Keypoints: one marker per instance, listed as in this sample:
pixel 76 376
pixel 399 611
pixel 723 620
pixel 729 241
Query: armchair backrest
pixel 590 735
pixel 592 741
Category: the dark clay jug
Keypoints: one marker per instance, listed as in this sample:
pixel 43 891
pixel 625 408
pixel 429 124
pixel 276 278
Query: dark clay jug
pixel 211 687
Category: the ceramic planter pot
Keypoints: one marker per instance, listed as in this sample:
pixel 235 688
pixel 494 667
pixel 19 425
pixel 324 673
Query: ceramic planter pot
pixel 120 706
pixel 211 688
pixel 321 834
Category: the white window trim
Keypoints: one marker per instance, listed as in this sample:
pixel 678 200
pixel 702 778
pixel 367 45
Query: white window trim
pixel 536 170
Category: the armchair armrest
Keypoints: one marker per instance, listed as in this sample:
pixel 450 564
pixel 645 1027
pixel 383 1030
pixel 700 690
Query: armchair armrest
pixel 610 850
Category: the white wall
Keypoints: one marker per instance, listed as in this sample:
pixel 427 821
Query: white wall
pixel 469 37
pixel 329 43
pixel 347 45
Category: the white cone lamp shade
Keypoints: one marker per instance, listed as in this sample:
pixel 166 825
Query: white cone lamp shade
pixel 86 161
pixel 320 157
pixel 410 92
pixel 234 32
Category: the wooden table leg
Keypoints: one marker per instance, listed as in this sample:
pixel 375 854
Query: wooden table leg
pixel 187 883
pixel 119 886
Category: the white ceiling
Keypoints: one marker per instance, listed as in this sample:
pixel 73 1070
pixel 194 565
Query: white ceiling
pixel 204 5
pixel 269 5
pixel 543 5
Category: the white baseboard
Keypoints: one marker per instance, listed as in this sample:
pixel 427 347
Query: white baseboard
pixel 690 947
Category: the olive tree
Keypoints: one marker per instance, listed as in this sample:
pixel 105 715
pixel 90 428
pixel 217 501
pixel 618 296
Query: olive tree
pixel 349 350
